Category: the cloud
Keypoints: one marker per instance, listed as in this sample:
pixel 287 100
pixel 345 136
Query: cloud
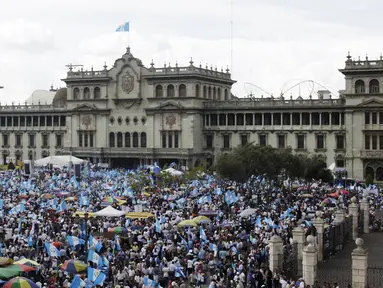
pixel 26 36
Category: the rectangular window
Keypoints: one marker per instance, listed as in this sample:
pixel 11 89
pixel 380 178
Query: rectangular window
pixel 380 117
pixel 367 142
pixel 45 140
pixel 18 140
pixel 300 141
pixel 170 141
pixel 374 142
pixel 262 140
pixel 244 140
pixel 339 141
pixel 5 140
pixel 80 139
pixel 32 140
pixel 374 117
pixel 86 140
pixel 226 141
pixel 176 140
pixel 367 118
pixel 209 141
pixel 320 142
pixel 340 163
pixel 281 141
pixel 381 142
pixel 91 140
pixel 163 140
pixel 58 140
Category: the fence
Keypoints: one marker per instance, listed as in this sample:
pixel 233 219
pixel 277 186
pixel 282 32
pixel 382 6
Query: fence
pixel 290 262
pixel 339 274
pixel 360 222
pixel 335 237
pixel 374 276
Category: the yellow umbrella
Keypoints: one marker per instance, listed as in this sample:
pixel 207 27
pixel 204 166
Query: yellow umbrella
pixel 187 223
pixel 200 219
pixel 139 215
pixel 27 261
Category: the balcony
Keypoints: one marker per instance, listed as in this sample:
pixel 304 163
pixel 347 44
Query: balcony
pixel 371 154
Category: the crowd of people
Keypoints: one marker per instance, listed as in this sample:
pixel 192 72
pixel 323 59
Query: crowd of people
pixel 105 229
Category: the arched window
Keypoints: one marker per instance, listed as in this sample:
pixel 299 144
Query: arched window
pixel 170 91
pixel 86 93
pixel 143 140
pixel 370 171
pixel 119 139
pixel 374 86
pixel 197 90
pixel 204 92
pixel 219 94
pixel 182 90
pixel 97 93
pixel 226 95
pixel 135 139
pixel 111 139
pixel 359 86
pixel 379 174
pixel 214 94
pixel 76 93
pixel 159 91
pixel 209 92
pixel 127 139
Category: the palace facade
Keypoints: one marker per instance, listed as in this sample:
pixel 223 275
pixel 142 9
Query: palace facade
pixel 130 115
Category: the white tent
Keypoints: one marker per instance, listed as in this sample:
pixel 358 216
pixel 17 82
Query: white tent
pixel 58 160
pixel 173 172
pixel 110 212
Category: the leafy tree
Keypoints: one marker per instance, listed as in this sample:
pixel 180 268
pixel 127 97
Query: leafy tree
pixel 244 161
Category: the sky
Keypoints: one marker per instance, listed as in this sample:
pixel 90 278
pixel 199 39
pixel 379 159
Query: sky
pixel 275 45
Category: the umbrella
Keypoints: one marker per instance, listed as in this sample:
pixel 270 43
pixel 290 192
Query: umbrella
pixel 74 266
pixel 5 261
pixel 57 244
pixel 201 219
pixel 187 223
pixel 139 215
pixel 14 270
pixel 63 194
pixel 20 282
pixel 71 199
pixel 248 212
pixel 26 261
pixel 47 196
pixel 117 230
pixel 208 213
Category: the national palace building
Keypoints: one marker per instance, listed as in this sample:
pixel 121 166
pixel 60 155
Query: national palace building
pixel 131 114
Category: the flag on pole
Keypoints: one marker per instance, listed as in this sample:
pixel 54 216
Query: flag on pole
pixel 124 27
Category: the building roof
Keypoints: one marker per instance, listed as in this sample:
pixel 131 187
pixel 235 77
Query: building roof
pixel 42 96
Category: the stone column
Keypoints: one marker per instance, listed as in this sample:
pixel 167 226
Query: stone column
pixel 309 261
pixel 339 217
pixel 276 253
pixel 319 225
pixel 359 265
pixel 299 238
pixel 365 209
pixel 353 210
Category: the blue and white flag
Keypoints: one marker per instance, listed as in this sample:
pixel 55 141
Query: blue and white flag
pixel 1 203
pixel 202 234
pixel 94 242
pixel 62 207
pixel 124 27
pixel 96 276
pixel 117 245
pixel 30 241
pixel 179 272
pixel 94 257
pixel 75 241
pixel 157 226
pixel 77 282
pixel 51 250
pixel 84 201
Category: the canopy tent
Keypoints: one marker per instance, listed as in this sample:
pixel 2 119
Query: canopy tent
pixel 110 212
pixel 173 172
pixel 58 160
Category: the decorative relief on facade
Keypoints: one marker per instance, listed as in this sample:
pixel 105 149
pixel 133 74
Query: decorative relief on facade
pixel 127 82
pixel 171 121
pixel 86 121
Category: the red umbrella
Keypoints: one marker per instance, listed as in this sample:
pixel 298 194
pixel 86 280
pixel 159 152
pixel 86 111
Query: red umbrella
pixel 57 244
